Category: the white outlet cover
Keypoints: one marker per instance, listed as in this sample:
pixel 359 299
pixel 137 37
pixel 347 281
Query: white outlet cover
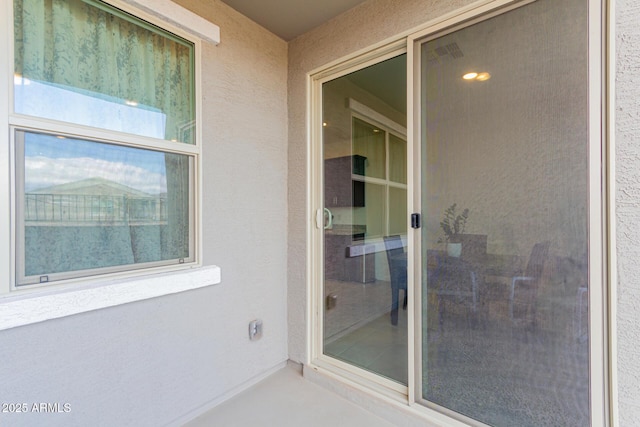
pixel 255 329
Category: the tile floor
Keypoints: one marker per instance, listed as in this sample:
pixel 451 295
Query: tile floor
pixel 378 346
pixel 356 304
pixel 358 329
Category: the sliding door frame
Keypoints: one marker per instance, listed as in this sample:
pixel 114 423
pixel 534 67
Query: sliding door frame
pixel 602 378
pixel 319 360
pixel 602 343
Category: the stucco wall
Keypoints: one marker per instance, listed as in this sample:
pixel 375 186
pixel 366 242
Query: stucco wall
pixel 627 173
pixel 151 362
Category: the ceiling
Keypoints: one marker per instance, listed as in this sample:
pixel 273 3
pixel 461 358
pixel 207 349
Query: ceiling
pixel 291 18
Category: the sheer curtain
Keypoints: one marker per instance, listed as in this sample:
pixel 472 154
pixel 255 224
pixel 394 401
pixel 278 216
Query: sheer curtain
pixel 94 50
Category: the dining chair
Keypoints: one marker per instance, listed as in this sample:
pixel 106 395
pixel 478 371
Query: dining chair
pixel 397 260
pixel 454 281
pixel 524 288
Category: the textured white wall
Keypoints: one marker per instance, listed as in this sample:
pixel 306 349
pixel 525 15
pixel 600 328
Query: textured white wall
pixel 627 110
pixel 150 362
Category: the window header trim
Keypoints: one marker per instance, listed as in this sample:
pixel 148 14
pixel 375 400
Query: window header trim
pixel 177 15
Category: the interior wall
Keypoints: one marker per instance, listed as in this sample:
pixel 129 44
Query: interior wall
pixel 151 362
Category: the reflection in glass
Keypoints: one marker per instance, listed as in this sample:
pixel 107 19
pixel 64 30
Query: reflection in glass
pixel 397 210
pixel 373 213
pixel 397 159
pixel 369 142
pixel 504 319
pixel 105 67
pixel 89 205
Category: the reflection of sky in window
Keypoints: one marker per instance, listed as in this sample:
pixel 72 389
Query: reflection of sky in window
pixel 51 161
pixel 43 99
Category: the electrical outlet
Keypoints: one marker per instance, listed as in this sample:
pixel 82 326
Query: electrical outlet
pixel 255 329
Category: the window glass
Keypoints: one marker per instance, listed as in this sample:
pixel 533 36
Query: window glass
pixel 397 210
pixel 397 159
pixel 88 205
pixel 364 323
pixel 84 62
pixel 369 142
pixel 372 215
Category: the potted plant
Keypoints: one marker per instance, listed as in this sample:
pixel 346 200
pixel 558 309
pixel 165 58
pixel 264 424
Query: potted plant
pixel 453 225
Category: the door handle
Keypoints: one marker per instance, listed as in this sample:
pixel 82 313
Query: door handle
pixel 324 218
pixel 328 223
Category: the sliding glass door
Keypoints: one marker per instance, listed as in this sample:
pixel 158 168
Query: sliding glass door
pixel 459 245
pixel 504 194
pixel 364 152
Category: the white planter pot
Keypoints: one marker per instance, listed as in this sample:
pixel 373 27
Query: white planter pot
pixel 454 249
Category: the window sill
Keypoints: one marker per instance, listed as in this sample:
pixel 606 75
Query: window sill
pixel 28 309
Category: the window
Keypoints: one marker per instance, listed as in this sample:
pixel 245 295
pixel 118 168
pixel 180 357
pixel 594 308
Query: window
pixel 385 178
pixel 104 141
pixel 107 68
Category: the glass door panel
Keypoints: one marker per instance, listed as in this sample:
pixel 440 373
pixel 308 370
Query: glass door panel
pixel 365 323
pixel 504 192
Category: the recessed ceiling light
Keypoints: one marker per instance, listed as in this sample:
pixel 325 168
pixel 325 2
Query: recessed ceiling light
pixel 324 124
pixel 483 76
pixel 470 76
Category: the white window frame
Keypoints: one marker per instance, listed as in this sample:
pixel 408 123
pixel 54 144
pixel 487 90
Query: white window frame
pixel 602 350
pixel 170 17
pixel 64 277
